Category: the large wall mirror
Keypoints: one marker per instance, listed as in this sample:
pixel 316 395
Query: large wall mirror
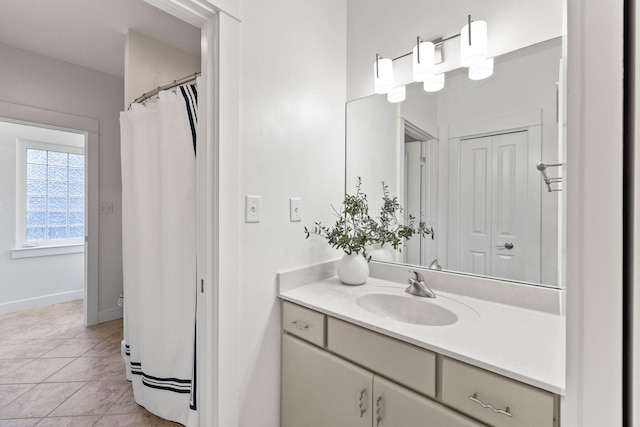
pixel 464 159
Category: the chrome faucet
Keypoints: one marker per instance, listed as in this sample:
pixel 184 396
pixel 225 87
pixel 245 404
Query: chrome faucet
pixel 418 287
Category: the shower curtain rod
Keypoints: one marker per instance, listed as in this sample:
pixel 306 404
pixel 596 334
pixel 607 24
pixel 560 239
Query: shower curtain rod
pixel 157 90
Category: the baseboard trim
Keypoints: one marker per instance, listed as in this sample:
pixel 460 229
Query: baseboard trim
pixel 109 314
pixel 41 301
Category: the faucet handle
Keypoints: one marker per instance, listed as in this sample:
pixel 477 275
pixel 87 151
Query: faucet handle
pixel 419 276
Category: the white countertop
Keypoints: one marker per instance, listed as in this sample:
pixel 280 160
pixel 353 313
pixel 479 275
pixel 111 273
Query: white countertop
pixel 522 344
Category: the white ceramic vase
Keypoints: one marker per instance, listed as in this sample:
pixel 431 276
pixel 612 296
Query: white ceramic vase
pixel 353 269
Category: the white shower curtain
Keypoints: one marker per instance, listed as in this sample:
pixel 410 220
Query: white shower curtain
pixel 159 252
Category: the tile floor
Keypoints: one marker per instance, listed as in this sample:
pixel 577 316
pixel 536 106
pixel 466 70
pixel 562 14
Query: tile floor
pixel 55 372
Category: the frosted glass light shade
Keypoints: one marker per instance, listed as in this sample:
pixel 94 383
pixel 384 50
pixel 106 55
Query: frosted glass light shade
pixel 383 75
pixel 424 69
pixel 435 83
pixel 481 70
pixel 476 52
pixel 397 94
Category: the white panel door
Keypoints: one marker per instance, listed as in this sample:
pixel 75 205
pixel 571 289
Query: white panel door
pixel 494 200
pixel 475 205
pixel 321 390
pixel 509 201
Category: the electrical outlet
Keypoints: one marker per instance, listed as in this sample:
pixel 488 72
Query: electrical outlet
pixel 252 209
pixel 106 207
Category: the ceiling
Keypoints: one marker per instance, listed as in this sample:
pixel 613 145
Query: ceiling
pixel 89 33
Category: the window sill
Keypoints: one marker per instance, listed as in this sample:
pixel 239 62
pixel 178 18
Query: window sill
pixel 46 251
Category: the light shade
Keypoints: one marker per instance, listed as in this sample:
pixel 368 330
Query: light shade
pixel 397 94
pixel 435 83
pixel 482 70
pixel 475 52
pixel 423 61
pixel 383 75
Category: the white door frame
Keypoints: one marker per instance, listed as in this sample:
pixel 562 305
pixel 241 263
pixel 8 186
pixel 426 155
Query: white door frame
pixel 91 128
pixel 594 259
pixel 217 185
pixel 428 187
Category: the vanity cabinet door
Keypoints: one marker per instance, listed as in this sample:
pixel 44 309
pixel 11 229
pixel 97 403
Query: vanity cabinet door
pixel 321 390
pixel 395 406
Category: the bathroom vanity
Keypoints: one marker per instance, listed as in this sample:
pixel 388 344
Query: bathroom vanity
pixel 373 355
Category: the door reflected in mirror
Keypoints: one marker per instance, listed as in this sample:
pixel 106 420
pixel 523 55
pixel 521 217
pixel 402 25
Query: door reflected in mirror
pixel 463 160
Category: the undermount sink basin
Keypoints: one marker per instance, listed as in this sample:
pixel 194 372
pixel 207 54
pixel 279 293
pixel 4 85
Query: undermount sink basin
pixel 407 309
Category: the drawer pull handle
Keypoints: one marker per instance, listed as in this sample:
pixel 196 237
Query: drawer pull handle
pixel 299 325
pixel 363 404
pixel 475 399
pixel 378 411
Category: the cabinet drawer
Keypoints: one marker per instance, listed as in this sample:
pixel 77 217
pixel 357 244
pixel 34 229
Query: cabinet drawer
pixel 470 389
pixel 403 363
pixel 304 323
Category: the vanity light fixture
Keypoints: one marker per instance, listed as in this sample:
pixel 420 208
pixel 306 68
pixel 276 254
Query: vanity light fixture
pixel 473 54
pixel 397 94
pixel 423 60
pixel 383 74
pixel 482 70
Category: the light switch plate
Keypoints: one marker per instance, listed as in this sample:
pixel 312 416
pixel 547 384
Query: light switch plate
pixel 295 209
pixel 252 209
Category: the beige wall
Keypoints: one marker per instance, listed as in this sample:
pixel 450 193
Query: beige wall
pixel 38 81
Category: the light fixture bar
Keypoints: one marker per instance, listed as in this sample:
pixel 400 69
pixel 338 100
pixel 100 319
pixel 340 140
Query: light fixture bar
pixel 439 41
pixel 401 56
pixel 446 39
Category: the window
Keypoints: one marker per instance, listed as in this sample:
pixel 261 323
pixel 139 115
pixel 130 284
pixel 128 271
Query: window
pixel 52 194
